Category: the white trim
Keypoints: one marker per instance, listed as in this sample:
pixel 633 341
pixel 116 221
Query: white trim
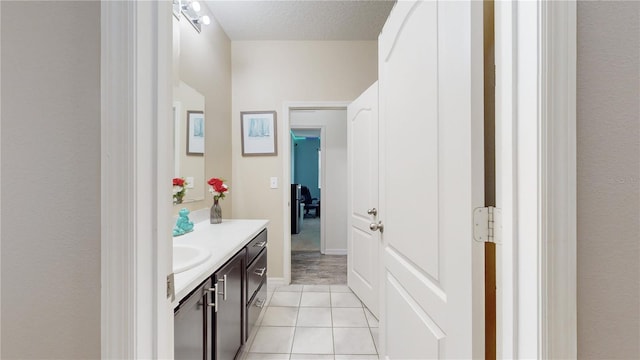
pixel 506 181
pixel 276 281
pixel 136 321
pixel 536 92
pixel 558 171
pixel 0 187
pixel 163 36
pixel 286 171
pixel 335 252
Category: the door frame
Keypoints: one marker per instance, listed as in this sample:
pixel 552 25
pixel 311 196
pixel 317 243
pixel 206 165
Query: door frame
pixel 134 320
pixel 536 178
pixel 286 171
pixel 136 127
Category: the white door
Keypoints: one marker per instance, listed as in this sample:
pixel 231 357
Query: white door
pixel 363 243
pixel 431 116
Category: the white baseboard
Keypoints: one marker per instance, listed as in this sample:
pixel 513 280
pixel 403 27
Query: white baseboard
pixel 335 251
pixel 275 281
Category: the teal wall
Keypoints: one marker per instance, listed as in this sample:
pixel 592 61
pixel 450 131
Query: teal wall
pixel 306 164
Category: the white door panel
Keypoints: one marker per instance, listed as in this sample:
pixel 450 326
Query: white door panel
pixel 363 244
pixel 363 267
pixel 422 336
pixel 431 179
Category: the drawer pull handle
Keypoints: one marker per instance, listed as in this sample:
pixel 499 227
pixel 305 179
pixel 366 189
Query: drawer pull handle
pixel 260 272
pixel 224 287
pixel 260 244
pixel 214 304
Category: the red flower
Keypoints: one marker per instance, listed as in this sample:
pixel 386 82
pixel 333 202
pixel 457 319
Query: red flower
pixel 219 187
pixel 178 182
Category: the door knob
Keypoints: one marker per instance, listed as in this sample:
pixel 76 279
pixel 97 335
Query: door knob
pixel 372 211
pixel 375 227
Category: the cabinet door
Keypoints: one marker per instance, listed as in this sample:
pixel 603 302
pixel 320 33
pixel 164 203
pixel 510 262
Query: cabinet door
pixel 228 318
pixel 192 325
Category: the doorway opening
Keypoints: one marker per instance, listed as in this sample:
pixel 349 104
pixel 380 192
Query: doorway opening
pixel 306 169
pixel 316 169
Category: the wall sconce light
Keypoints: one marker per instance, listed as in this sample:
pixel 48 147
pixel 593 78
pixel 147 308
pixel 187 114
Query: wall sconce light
pixel 204 20
pixel 190 10
pixel 194 5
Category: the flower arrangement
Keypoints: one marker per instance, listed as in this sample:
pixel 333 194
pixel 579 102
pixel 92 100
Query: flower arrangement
pixel 179 190
pixel 218 188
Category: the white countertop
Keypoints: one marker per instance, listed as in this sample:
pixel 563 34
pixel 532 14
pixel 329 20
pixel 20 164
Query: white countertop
pixel 223 240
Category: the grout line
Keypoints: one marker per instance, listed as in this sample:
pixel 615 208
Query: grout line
pixel 295 327
pixel 333 335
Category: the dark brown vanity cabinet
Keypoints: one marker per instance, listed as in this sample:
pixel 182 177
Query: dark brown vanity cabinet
pixel 228 329
pixel 256 283
pixel 209 323
pixel 214 320
pixel 192 323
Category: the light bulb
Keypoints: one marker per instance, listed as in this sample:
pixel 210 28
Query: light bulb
pixel 205 20
pixel 195 6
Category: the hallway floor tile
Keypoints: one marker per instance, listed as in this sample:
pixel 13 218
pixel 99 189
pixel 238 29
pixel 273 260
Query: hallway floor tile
pixel 306 322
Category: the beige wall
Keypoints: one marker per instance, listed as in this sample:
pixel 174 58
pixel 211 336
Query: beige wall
pixel 608 128
pixel 265 75
pixel 205 65
pixel 50 146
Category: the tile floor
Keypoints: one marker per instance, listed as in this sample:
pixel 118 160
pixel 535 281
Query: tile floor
pixel 314 322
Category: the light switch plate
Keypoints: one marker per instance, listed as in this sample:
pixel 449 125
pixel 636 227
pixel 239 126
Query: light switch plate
pixel 274 182
pixel 189 180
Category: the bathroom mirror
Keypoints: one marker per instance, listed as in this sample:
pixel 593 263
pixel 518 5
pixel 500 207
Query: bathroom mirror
pixel 189 140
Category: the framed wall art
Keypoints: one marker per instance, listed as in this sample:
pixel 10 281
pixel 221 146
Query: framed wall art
pixel 195 133
pixel 259 133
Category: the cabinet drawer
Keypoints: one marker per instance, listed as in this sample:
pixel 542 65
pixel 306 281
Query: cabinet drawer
pixel 256 273
pixel 255 307
pixel 256 245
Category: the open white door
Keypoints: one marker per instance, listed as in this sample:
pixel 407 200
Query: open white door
pixel 431 133
pixel 363 243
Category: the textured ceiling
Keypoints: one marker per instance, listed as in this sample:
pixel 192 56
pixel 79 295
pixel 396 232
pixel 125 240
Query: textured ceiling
pixel 301 19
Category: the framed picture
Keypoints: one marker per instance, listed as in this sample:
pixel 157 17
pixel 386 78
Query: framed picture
pixel 259 135
pixel 195 133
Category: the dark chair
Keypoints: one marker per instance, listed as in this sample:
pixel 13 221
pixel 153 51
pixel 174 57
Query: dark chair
pixel 309 202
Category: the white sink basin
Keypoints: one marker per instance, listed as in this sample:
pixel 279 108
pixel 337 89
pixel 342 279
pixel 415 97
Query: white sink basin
pixel 186 257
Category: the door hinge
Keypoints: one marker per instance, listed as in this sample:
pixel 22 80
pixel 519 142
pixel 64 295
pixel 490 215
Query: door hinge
pixel 487 224
pixel 171 287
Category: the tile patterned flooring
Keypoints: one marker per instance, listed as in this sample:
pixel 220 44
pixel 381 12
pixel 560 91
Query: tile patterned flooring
pixel 309 267
pixel 314 322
